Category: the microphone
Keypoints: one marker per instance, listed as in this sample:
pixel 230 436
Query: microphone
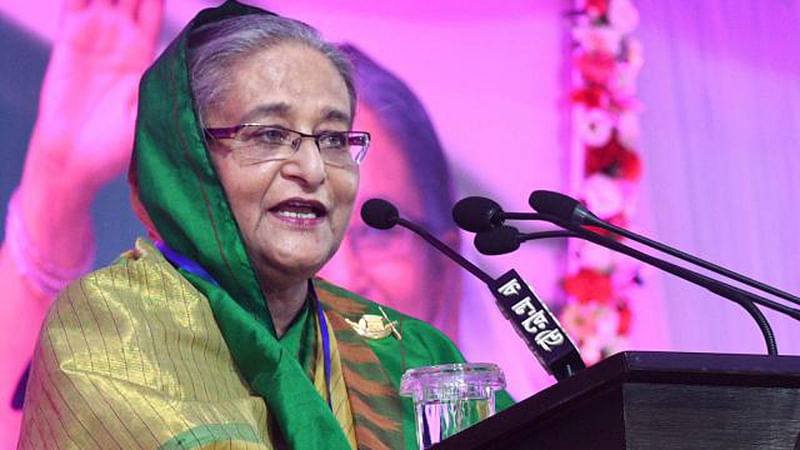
pixel 571 211
pixel 505 239
pixel 530 317
pixel 497 241
pixel 478 214
pixel 380 214
pixel 562 207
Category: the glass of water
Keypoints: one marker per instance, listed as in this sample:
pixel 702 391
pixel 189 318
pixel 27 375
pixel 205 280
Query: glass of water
pixel 451 397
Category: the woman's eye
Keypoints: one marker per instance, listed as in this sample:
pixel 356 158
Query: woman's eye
pixel 271 135
pixel 333 140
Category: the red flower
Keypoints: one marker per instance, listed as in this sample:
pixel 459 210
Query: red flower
pixel 597 67
pixel 592 96
pixel 625 318
pixel 619 220
pixel 614 160
pixel 630 166
pixel 597 7
pixel 589 284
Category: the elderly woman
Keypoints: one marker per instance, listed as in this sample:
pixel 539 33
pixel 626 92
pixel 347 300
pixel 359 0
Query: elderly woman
pixel 245 172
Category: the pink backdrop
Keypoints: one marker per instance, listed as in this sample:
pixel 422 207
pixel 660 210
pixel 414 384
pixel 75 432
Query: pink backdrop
pixel 719 140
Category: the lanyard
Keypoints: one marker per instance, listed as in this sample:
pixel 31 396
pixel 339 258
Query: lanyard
pixel 192 267
pixel 326 342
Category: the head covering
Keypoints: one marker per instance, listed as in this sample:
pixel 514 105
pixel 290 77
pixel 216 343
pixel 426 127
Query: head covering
pixel 177 194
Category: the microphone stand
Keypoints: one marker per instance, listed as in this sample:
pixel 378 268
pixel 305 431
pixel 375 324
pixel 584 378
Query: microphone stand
pixel 737 295
pixel 582 216
pixel 531 318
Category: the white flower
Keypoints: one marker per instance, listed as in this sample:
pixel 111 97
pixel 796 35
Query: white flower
pixel 628 69
pixel 634 54
pixel 603 195
pixel 595 127
pixel 623 15
pixel 598 38
pixel 628 129
pixel 595 256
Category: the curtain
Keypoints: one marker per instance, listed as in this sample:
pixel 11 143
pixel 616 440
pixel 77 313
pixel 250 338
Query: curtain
pixel 721 145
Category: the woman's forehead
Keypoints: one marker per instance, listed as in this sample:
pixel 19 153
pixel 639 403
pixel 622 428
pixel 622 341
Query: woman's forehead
pixel 289 81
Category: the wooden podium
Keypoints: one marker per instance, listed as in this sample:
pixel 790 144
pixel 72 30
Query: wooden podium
pixel 655 400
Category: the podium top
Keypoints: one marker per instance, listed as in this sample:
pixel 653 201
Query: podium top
pixel 698 368
pixel 656 368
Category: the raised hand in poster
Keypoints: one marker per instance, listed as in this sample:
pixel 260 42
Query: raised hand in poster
pixel 82 139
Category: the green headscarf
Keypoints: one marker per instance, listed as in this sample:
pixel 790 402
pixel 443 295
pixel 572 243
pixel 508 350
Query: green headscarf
pixel 177 193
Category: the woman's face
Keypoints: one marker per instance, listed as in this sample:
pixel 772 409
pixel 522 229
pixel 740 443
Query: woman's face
pixel 292 213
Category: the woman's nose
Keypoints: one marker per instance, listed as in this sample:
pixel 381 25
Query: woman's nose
pixel 306 164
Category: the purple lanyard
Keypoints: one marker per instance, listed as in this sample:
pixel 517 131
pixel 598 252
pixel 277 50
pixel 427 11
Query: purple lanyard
pixel 192 267
pixel 326 344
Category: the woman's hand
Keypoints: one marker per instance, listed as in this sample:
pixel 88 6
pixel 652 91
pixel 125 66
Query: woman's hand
pixel 84 130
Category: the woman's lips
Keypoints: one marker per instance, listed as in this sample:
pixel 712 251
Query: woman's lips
pixel 300 212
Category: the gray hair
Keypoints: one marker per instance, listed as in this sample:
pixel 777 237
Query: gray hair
pixel 215 47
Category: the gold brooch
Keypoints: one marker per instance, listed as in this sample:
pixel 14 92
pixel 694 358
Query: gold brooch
pixel 372 326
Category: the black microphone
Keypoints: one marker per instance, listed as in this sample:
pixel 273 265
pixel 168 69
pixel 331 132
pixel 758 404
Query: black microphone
pixel 563 207
pixel 505 239
pixel 530 317
pixel 497 241
pixel 571 211
pixel 478 214
pixel 380 214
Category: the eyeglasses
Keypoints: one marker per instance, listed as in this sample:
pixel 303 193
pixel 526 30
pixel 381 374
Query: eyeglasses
pixel 262 143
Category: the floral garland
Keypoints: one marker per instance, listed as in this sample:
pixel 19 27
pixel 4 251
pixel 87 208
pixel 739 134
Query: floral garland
pixel 605 171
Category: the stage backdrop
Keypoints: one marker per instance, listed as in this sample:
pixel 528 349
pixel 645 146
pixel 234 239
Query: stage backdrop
pixel 719 140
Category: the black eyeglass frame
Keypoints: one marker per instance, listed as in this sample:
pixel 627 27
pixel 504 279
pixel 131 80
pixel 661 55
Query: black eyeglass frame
pixel 359 138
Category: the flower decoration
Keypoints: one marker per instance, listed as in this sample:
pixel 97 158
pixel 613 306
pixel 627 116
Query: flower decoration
pixel 600 287
pixel 589 285
pixel 614 160
pixel 595 127
pixel 603 195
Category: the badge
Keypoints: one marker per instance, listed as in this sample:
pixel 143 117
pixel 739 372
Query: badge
pixel 372 326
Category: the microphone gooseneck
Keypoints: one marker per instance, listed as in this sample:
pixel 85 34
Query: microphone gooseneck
pixel 571 211
pixel 570 215
pixel 744 298
pixel 530 317
pixel 382 214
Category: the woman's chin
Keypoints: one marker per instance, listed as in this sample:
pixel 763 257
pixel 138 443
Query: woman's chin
pixel 300 266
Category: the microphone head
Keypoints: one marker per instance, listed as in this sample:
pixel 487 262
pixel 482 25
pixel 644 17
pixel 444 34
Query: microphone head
pixel 379 213
pixel 477 214
pixel 498 241
pixel 563 207
pixel 554 204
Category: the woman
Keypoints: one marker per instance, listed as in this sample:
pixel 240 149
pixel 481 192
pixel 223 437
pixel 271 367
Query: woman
pixel 216 334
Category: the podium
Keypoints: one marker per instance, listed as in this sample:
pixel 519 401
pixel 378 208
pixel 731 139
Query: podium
pixel 655 400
